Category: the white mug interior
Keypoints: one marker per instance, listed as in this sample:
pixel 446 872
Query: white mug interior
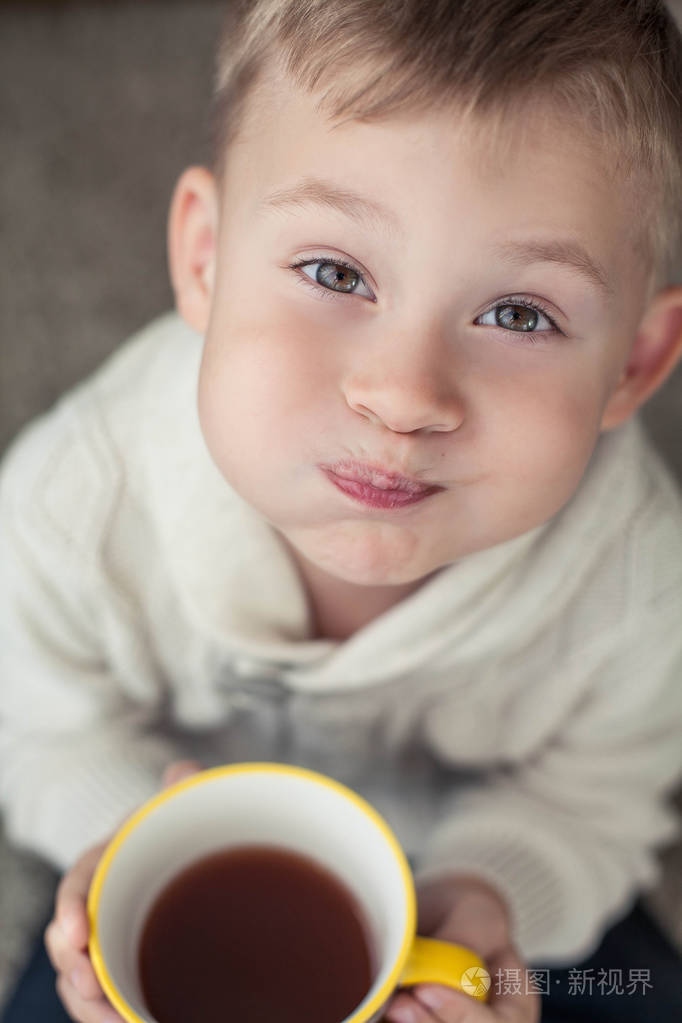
pixel 265 804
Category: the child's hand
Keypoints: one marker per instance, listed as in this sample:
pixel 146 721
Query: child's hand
pixel 67 934
pixel 466 911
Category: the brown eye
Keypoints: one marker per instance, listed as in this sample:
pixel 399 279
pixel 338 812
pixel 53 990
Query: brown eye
pixel 516 317
pixel 336 277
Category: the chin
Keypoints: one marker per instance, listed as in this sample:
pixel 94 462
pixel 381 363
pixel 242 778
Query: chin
pixel 370 558
pixel 373 579
pixel 373 572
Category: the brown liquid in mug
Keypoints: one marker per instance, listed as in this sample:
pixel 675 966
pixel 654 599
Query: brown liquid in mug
pixel 255 934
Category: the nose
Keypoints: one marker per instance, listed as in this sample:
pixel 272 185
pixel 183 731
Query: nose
pixel 405 395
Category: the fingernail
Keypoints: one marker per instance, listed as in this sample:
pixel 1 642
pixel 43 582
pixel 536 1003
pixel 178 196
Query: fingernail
pixel 402 1014
pixel 433 997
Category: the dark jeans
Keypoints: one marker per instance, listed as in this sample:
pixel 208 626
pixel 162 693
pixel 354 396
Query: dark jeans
pixel 636 978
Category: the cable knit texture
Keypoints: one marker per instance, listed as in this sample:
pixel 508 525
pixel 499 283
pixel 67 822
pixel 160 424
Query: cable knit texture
pixel 518 717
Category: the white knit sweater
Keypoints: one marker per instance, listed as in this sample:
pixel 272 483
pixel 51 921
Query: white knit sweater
pixel 518 717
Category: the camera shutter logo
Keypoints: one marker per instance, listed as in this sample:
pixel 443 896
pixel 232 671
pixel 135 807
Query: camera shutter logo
pixel 476 981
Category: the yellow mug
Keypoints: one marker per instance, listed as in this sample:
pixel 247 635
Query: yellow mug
pixel 266 804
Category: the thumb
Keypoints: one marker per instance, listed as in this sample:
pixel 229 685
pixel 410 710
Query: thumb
pixel 479 919
pixel 72 894
pixel 178 770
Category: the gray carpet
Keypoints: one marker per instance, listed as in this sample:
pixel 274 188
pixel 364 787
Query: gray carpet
pixel 100 109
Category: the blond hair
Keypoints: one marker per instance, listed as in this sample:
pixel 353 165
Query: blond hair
pixel 617 64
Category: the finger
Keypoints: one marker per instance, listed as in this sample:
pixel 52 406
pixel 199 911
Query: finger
pixel 84 979
pixel 458 1008
pixel 70 909
pixel 517 1006
pixel 448 1005
pixel 57 946
pixel 99 1011
pixel 404 1008
pixel 178 770
pixel 68 961
pixel 487 936
pixel 477 923
pixel 466 911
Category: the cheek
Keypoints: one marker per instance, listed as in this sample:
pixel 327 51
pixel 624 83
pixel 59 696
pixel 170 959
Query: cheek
pixel 260 386
pixel 549 429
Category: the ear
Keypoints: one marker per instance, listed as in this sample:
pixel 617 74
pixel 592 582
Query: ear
pixel 192 233
pixel 654 355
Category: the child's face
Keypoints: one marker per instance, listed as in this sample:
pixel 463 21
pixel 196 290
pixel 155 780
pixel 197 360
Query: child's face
pixel 422 367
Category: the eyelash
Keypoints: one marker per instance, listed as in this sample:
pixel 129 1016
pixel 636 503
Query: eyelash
pixel 522 300
pixel 318 288
pixel 527 303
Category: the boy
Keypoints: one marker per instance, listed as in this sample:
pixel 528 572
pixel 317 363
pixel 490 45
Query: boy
pixel 392 518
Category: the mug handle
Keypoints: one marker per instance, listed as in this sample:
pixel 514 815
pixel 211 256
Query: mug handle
pixel 441 962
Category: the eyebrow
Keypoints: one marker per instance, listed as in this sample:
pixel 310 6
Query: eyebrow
pixel 317 192
pixel 564 252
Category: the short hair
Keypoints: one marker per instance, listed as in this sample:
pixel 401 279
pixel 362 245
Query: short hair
pixel 617 64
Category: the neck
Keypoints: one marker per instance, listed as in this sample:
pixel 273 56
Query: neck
pixel 340 608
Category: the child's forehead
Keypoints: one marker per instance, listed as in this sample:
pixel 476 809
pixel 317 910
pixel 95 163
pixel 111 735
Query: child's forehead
pixel 498 132
pixel 541 161
pixel 292 129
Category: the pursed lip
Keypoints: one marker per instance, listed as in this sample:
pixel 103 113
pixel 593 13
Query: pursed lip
pixel 378 477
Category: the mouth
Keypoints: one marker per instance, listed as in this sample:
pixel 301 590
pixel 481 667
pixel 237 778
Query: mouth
pixel 375 486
